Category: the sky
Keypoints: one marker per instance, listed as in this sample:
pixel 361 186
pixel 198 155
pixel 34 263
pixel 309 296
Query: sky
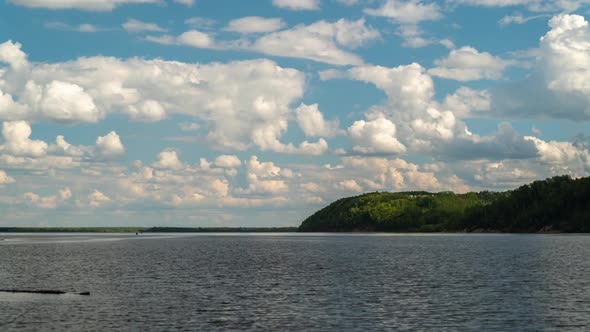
pixel 260 112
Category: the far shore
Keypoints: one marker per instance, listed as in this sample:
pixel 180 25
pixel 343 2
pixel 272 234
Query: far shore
pixel 148 229
pixel 140 230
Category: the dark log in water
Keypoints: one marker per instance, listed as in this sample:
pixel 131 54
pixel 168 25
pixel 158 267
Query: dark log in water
pixel 42 291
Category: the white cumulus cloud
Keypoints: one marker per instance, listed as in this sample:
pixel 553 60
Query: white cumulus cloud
pixel 17 140
pixel 559 86
pixel 5 178
pixel 255 24
pixel 321 41
pixel 133 25
pixel 227 161
pixel 109 146
pixel 297 4
pixel 312 122
pixel 168 160
pixel 407 11
pixel 468 64
pixel 90 5
pixel 375 137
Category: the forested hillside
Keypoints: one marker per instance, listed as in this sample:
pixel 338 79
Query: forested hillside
pixel 555 204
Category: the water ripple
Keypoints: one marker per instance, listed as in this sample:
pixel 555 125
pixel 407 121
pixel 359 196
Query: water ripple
pixel 293 283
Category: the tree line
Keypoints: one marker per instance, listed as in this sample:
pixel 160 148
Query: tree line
pixel 556 204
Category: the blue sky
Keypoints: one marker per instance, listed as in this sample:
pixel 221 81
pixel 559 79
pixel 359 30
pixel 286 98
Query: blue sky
pixel 257 113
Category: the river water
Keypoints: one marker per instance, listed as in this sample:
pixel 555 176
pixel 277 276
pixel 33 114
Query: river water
pixel 296 282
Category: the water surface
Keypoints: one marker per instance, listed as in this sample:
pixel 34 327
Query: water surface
pixel 312 282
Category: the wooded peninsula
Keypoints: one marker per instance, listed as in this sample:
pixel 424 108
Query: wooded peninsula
pixel 558 204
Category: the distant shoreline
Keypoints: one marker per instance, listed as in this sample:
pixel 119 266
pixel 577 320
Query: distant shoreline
pixel 133 230
pixel 148 229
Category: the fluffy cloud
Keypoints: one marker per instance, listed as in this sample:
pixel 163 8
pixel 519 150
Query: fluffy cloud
pixel 559 86
pixel 566 54
pixel 168 160
pixel 413 36
pixel 92 5
pixel 242 102
pixel 48 202
pixel 312 122
pixel 408 87
pixel 506 143
pixel 424 126
pixel 466 102
pixel 266 138
pixel 555 158
pixel 433 127
pixel 65 194
pixel 375 137
pixel 192 38
pixel 267 184
pixel 264 178
pixel 390 174
pixel 109 147
pixel 97 198
pixel 161 188
pixel 297 4
pixel 255 24
pixel 133 25
pixel 468 64
pixel 173 183
pixel 409 14
pixel 12 54
pixel 20 152
pixel 318 184
pixel 227 161
pixel 564 155
pixel 247 105
pixel 321 41
pixel 39 164
pixel 349 185
pixel 147 111
pixel 313 149
pixel 5 178
pixel 534 5
pixel 63 102
pixel 17 140
pixel 196 38
pixel 407 11
pixel 263 169
pixel 9 109
pixel 494 175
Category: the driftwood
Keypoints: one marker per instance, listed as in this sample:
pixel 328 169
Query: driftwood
pixel 42 291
